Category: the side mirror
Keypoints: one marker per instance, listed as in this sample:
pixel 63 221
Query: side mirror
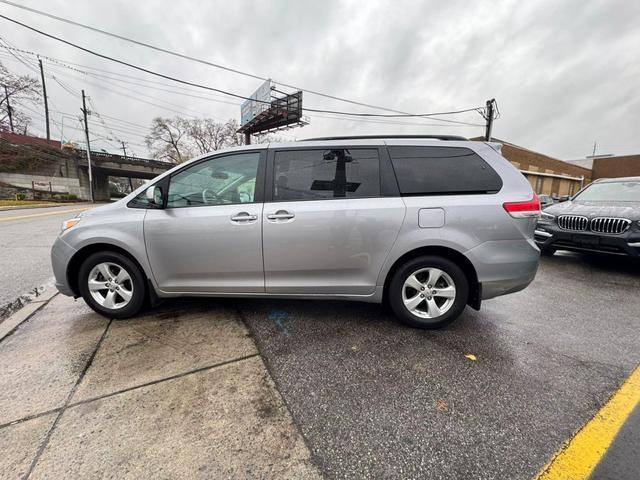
pixel 154 196
pixel 564 198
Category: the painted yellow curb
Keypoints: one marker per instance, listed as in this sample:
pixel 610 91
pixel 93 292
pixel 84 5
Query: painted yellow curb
pixel 579 456
pixel 58 212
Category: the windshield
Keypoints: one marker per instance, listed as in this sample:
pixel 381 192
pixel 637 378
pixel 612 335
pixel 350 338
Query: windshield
pixel 610 192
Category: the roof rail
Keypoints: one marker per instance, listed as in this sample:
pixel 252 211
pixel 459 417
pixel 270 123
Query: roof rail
pixel 371 137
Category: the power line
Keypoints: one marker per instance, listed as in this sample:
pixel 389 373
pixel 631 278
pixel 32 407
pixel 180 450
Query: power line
pixel 72 66
pixel 183 111
pixel 390 122
pixel 206 87
pixel 205 62
pixel 103 77
pixel 332 117
pixel 100 77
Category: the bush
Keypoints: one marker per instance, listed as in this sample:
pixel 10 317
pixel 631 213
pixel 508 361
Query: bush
pixel 66 196
pixel 21 196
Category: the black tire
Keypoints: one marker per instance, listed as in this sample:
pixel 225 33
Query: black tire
pixel 136 283
pixel 452 270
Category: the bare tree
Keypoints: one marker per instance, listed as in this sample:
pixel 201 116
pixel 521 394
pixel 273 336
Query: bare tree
pixel 21 89
pixel 234 139
pixel 167 139
pixel 207 135
pixel 177 139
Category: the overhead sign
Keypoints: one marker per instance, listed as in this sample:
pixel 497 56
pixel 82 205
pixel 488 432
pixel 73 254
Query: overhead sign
pixel 258 102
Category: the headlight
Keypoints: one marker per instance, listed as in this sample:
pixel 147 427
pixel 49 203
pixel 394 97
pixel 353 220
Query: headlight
pixel 67 224
pixel 547 217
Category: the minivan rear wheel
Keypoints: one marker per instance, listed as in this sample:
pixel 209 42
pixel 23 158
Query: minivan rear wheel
pixel 112 284
pixel 428 292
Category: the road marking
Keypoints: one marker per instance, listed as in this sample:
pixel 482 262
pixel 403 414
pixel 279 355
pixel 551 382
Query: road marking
pixel 60 212
pixel 579 456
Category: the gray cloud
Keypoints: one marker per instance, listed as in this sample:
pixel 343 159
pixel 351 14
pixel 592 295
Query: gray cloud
pixel 565 73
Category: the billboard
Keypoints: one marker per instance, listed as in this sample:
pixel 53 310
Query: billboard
pixel 258 102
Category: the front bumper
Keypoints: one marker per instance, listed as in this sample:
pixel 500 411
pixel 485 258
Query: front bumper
pixel 550 236
pixel 61 254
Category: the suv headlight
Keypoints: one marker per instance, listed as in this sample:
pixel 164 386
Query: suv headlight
pixel 546 217
pixel 67 224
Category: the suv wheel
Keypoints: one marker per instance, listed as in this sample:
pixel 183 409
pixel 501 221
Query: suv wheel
pixel 112 285
pixel 428 292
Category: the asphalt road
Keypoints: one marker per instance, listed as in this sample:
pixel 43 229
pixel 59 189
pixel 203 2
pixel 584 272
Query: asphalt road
pixel 376 399
pixel 26 236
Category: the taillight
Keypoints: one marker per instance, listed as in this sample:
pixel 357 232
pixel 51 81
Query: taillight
pixel 527 209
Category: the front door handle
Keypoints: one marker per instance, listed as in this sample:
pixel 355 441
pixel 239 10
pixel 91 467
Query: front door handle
pixel 243 217
pixel 281 215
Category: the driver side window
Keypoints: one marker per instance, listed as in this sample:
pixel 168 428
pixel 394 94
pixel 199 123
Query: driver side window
pixel 230 179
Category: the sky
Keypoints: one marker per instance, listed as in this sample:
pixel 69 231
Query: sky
pixel 565 74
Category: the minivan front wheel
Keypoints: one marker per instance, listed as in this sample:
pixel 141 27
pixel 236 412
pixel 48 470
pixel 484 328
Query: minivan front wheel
pixel 112 284
pixel 428 292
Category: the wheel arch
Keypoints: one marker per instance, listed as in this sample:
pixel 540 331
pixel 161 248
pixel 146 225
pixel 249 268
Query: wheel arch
pixel 475 287
pixel 74 264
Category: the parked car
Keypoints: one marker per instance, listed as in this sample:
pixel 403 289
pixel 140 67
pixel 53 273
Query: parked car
pixel 426 224
pixel 603 217
pixel 545 201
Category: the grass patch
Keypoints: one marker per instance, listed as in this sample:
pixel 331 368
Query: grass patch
pixel 21 203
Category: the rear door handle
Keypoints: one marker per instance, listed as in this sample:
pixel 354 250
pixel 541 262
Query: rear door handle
pixel 280 215
pixel 243 217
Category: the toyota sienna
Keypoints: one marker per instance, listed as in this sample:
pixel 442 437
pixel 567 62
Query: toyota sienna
pixel 426 224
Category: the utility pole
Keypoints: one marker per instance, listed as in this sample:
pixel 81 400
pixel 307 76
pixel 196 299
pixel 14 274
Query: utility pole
pixel 124 147
pixel 594 149
pixel 489 118
pixel 86 136
pixel 6 97
pixel 46 104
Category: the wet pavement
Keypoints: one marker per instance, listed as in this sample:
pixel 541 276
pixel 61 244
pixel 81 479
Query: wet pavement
pixel 375 399
pixel 333 388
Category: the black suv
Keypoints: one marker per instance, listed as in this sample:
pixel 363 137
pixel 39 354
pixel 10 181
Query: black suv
pixel 602 217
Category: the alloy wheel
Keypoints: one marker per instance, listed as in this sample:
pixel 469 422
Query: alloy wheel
pixel 428 292
pixel 110 285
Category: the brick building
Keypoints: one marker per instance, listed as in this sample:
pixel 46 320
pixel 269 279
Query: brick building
pixel 547 175
pixel 616 166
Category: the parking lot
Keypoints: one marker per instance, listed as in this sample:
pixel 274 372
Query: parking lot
pixel 301 389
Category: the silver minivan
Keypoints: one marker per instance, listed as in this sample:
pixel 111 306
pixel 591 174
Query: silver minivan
pixel 425 224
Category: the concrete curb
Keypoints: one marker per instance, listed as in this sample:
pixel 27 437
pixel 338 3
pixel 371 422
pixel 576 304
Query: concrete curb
pixel 48 205
pixel 7 208
pixel 25 313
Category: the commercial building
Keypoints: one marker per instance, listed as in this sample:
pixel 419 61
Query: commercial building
pixel 620 166
pixel 547 175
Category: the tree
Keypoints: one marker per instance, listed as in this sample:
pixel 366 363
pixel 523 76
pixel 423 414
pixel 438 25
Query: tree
pixel 21 89
pixel 207 135
pixel 178 139
pixel 167 139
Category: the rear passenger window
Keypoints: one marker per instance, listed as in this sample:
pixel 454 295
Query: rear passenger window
pixel 442 170
pixel 321 174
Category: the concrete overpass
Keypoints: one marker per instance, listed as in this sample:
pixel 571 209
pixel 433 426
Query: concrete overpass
pixel 105 165
pixel 29 164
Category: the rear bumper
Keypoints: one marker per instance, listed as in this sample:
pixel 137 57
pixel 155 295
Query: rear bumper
pixel 505 266
pixel 61 254
pixel 550 236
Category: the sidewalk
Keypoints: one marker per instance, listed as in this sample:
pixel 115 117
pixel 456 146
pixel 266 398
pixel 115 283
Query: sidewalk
pixel 171 394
